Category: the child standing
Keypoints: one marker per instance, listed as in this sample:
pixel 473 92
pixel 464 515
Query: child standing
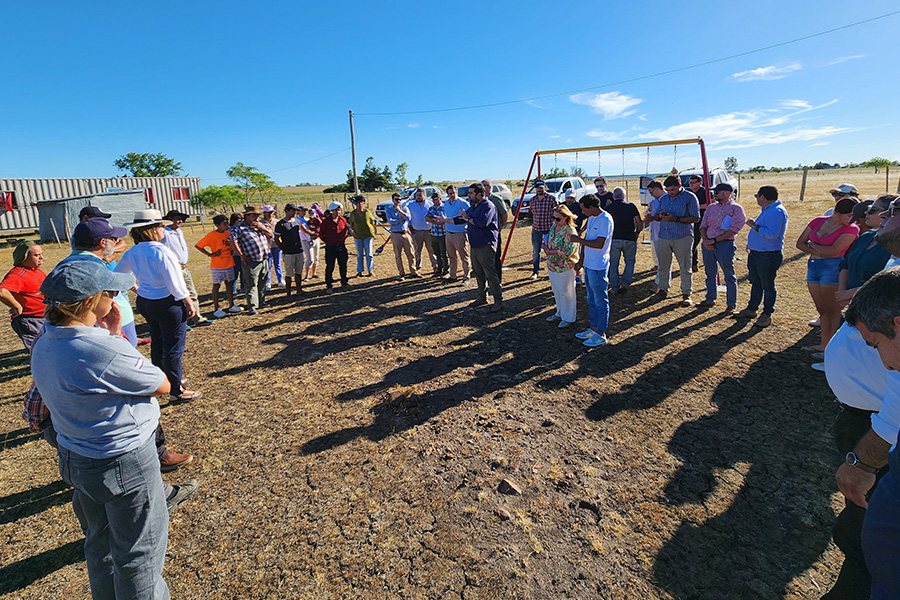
pixel 221 263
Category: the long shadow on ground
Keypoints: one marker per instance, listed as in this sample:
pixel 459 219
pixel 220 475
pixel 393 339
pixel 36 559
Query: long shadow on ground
pixel 752 448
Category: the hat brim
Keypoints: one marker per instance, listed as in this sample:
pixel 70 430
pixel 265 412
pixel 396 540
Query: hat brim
pixel 138 224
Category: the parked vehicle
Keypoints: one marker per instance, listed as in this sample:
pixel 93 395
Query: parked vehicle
pixel 558 187
pixel 717 175
pixel 500 189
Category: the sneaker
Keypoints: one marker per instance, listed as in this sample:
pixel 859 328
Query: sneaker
pixel 188 327
pixel 598 339
pixel 180 493
pixel 587 333
pixel 820 366
pixel 729 310
pixel 553 318
pixel 564 324
pixel 659 295
pixel 686 300
pixel 220 314
pixel 252 311
pixel 143 341
pixel 235 309
pixel 705 304
pixel 814 322
pixel 306 279
pixel 173 460
pixel 764 320
pixel 534 276
pixel 747 313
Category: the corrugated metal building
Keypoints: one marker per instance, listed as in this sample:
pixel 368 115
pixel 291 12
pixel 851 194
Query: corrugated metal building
pixel 163 193
pixel 58 218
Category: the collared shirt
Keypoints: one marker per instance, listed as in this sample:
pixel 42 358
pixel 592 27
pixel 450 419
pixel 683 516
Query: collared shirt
pixel 685 204
pixel 605 199
pixel 542 211
pixel 253 243
pixel 174 241
pixel 334 231
pixel 720 218
pixel 437 229
pixel 417 214
pixel 451 210
pixel 98 388
pixel 25 286
pixel 483 228
pixel 772 222
pixel 397 218
pixel 156 269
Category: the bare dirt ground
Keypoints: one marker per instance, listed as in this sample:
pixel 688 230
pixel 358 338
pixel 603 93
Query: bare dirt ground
pixel 689 458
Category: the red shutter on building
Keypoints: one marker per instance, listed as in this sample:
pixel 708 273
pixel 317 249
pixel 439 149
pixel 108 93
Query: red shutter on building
pixel 148 196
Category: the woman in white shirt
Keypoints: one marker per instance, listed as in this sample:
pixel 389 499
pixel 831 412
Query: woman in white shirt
pixel 162 297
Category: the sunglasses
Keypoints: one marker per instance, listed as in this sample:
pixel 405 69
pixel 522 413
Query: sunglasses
pixel 837 194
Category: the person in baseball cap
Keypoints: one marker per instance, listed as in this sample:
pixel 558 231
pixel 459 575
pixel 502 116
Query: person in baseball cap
pixel 844 190
pixel 723 187
pixel 88 234
pixel 90 212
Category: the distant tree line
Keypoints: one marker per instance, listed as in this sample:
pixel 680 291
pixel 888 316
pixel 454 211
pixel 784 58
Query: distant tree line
pixel 873 163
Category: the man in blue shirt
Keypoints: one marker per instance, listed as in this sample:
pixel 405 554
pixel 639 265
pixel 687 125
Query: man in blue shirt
pixel 484 233
pixel 398 218
pixel 678 210
pixel 765 243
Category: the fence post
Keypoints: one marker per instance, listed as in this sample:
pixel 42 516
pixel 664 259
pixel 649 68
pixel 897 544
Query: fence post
pixel 803 183
pixel 887 179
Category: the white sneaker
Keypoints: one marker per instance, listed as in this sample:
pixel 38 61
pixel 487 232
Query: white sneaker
pixel 553 318
pixel 236 309
pixel 595 340
pixel 587 333
pixel 534 276
pixel 564 324
pixel 220 314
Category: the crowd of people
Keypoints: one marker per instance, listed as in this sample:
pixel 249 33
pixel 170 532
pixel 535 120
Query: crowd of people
pixel 97 400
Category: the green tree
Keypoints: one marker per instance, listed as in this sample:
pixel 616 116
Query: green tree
pixel 419 180
pixel 252 182
pixel 148 165
pixel 578 172
pixel 214 196
pixel 554 173
pixel 372 178
pixel 731 164
pixel 400 173
pixel 877 163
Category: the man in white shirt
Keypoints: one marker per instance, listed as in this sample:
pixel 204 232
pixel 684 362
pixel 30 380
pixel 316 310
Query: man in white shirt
pixel 595 260
pixel 174 241
pixel 420 229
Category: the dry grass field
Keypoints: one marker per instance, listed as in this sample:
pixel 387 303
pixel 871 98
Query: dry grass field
pixel 354 445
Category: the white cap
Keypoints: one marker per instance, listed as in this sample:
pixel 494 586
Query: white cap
pixel 335 205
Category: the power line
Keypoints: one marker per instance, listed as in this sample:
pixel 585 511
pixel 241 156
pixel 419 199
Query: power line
pixel 309 162
pixel 633 79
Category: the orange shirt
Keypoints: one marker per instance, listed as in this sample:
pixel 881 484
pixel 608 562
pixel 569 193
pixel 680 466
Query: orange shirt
pixel 216 241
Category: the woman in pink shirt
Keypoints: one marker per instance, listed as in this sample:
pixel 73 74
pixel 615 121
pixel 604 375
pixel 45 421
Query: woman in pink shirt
pixel 826 239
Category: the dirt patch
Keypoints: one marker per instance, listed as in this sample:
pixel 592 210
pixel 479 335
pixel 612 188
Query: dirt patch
pixel 353 445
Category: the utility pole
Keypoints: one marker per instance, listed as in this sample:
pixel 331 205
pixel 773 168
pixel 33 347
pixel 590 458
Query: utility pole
pixel 353 151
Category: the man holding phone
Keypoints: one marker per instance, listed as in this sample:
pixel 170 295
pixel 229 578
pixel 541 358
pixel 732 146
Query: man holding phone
pixel 678 210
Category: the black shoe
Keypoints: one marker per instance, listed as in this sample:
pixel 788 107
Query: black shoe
pixel 180 493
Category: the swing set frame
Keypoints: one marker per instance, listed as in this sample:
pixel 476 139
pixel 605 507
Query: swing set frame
pixel 536 161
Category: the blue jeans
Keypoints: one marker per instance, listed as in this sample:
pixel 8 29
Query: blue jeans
pixel 537 238
pixel 124 506
pixel 597 299
pixel 364 255
pixel 275 263
pixel 167 320
pixel 824 271
pixel 628 249
pixel 762 268
pixel 722 255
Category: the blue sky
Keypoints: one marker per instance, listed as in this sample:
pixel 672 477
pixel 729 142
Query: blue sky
pixel 270 84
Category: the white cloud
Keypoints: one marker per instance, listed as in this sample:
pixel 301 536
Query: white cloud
pixel 608 136
pixel 819 144
pixel 413 125
pixel 612 105
pixel 767 73
pixel 554 136
pixel 755 127
pixel 843 59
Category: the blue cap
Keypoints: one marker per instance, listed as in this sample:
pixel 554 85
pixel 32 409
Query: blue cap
pixel 75 280
pixel 538 182
pixel 88 233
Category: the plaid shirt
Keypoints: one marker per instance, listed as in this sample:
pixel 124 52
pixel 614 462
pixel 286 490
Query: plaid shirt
pixel 437 229
pixel 542 211
pixel 253 244
pixel 35 412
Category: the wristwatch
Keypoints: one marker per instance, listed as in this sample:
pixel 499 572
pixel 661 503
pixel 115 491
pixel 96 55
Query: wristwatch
pixel 854 461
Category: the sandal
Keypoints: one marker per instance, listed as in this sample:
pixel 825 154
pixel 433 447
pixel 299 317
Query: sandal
pixel 185 396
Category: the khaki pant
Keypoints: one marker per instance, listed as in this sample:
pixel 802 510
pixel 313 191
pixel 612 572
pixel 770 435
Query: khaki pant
pixel 682 248
pixel 403 244
pixel 458 249
pixel 422 239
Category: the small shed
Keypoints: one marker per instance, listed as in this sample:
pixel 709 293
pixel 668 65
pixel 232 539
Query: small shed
pixel 59 217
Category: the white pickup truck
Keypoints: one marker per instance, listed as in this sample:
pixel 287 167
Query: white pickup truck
pixel 557 187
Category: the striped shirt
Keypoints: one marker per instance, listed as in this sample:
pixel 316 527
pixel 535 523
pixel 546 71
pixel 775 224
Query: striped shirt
pixel 437 229
pixel 685 204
